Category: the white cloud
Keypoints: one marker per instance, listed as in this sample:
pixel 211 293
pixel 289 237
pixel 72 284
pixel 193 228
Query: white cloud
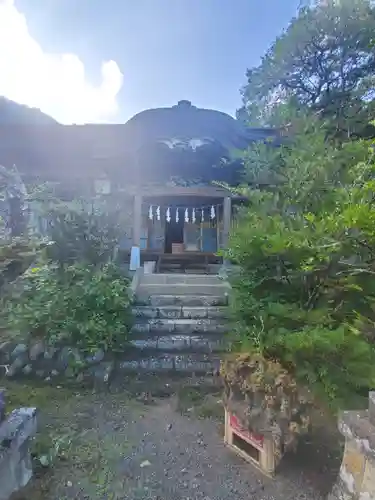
pixel 55 83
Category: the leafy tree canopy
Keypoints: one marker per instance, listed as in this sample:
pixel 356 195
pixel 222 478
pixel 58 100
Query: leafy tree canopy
pixel 305 295
pixel 324 60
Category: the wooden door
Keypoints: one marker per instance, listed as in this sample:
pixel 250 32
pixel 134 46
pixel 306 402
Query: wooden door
pixel 208 238
pixel 192 237
pixel 157 235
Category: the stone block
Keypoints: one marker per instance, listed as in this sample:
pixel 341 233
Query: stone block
pixel 368 485
pixel 151 364
pixel 16 433
pixel 194 364
pixel 200 343
pixel 352 467
pixel 209 301
pixel 188 326
pixel 131 365
pixel 180 279
pixel 6 349
pixel 162 326
pixel 143 344
pixel 355 426
pixel 183 289
pixel 194 312
pixel 50 352
pixel 172 362
pixel 357 472
pixel 168 343
pixel 17 365
pixel 203 326
pixel 217 313
pixel 187 300
pixel 371 407
pixel 168 312
pixel 68 357
pixel 36 351
pixel 159 300
pixel 26 370
pixel 18 351
pixel 174 343
pixel 147 312
pixel 140 328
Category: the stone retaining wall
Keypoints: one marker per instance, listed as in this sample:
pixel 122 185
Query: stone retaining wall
pixel 50 364
pixel 45 362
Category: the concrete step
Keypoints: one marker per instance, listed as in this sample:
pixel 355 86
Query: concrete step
pixel 157 327
pixel 175 363
pixel 180 343
pixel 180 312
pixel 181 279
pixel 162 300
pixel 195 270
pixel 183 289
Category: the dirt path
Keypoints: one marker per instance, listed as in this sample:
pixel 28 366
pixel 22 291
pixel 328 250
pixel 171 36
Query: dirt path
pixel 115 447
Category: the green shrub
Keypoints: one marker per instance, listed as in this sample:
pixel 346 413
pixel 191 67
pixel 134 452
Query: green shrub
pixel 306 292
pixel 88 307
pixel 81 227
pixel 79 236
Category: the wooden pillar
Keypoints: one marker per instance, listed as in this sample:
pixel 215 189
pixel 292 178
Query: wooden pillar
pixel 227 218
pixel 137 220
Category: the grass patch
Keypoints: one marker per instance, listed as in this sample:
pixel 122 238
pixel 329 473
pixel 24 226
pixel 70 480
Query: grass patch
pixel 74 451
pixel 55 434
pixel 211 408
pixel 201 401
pixel 42 397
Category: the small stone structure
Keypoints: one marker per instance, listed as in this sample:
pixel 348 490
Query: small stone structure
pixel 16 432
pixel 357 473
pixel 264 401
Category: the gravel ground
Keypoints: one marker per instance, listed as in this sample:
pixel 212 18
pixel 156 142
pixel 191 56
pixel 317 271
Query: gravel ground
pixel 126 449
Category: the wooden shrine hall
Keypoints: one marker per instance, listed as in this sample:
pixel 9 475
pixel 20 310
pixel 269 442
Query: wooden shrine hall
pixel 184 227
pixel 166 162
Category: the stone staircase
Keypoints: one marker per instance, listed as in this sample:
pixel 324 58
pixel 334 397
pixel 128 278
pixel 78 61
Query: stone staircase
pixel 180 322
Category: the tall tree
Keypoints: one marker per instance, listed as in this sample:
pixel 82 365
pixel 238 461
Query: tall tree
pixel 325 60
pixel 304 294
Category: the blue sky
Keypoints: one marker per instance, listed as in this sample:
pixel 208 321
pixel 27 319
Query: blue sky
pixel 167 50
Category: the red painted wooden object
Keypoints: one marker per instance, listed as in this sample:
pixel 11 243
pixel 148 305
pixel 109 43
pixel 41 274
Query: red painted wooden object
pixel 236 426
